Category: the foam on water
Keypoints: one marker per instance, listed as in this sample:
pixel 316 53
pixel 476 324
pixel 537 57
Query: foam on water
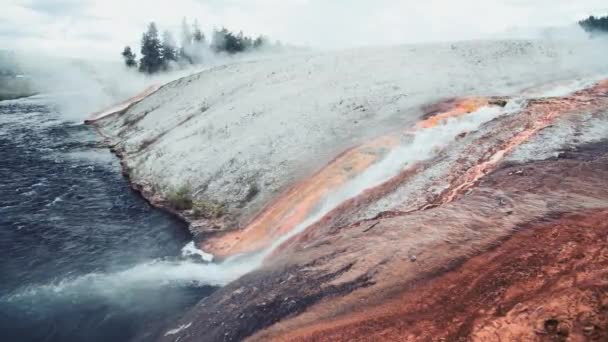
pixel 190 250
pixel 136 280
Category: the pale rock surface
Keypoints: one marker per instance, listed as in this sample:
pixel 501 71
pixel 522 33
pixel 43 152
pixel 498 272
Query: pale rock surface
pixel 240 134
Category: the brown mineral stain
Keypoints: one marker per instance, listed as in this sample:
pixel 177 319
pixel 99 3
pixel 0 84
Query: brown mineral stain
pixel 546 283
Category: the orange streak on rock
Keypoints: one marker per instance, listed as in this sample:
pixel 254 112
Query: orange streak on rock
pixel 293 207
pixel 478 171
pixel 523 257
pixel 298 203
pixel 123 105
pixel 545 112
pixel 460 107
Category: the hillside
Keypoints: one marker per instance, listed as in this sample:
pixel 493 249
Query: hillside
pixel 240 134
pixel 338 189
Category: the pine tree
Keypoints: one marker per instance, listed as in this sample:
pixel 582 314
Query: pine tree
pixel 198 37
pixel 226 41
pixel 243 43
pixel 151 50
pixel 129 57
pixel 595 25
pixel 169 49
pixel 259 42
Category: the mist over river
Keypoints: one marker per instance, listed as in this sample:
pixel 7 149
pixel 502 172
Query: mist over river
pixel 82 257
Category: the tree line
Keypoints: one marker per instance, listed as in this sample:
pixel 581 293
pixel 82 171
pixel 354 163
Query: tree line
pixel 162 53
pixel 594 25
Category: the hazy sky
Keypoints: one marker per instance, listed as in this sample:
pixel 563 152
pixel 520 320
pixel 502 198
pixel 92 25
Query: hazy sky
pixel 102 27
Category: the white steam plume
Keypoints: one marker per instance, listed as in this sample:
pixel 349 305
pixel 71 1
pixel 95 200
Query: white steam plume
pixel 158 273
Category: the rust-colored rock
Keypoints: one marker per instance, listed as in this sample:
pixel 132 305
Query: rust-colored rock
pixel 546 283
pixel 498 237
pixel 294 206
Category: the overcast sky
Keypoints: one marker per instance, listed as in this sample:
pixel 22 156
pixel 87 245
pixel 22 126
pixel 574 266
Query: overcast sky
pixel 102 27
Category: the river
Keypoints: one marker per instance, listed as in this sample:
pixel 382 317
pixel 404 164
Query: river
pixel 82 257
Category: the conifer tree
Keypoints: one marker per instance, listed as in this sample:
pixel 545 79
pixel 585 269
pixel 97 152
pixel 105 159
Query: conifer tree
pixel 169 49
pixel 151 50
pixel 259 42
pixel 129 57
pixel 198 37
pixel 595 25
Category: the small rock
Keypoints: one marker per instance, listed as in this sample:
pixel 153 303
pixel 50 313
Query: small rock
pixel 551 325
pixel 519 172
pixel 563 330
pixel 413 258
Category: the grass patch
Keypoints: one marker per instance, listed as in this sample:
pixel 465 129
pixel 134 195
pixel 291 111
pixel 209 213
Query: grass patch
pixel 208 209
pixel 181 198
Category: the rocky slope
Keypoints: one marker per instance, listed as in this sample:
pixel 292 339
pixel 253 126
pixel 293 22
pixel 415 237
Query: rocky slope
pixel 238 135
pixel 358 203
pixel 508 250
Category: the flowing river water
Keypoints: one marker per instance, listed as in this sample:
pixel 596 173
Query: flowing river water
pixel 83 258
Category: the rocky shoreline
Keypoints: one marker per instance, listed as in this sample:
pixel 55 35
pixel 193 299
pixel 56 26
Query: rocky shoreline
pixel 143 191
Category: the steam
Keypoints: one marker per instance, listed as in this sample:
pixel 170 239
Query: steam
pixel 195 268
pixel 423 145
pixel 80 87
pixel 41 25
pixel 192 269
pixel 564 88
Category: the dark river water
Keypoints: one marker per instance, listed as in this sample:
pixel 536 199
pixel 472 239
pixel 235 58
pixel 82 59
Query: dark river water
pixel 82 258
